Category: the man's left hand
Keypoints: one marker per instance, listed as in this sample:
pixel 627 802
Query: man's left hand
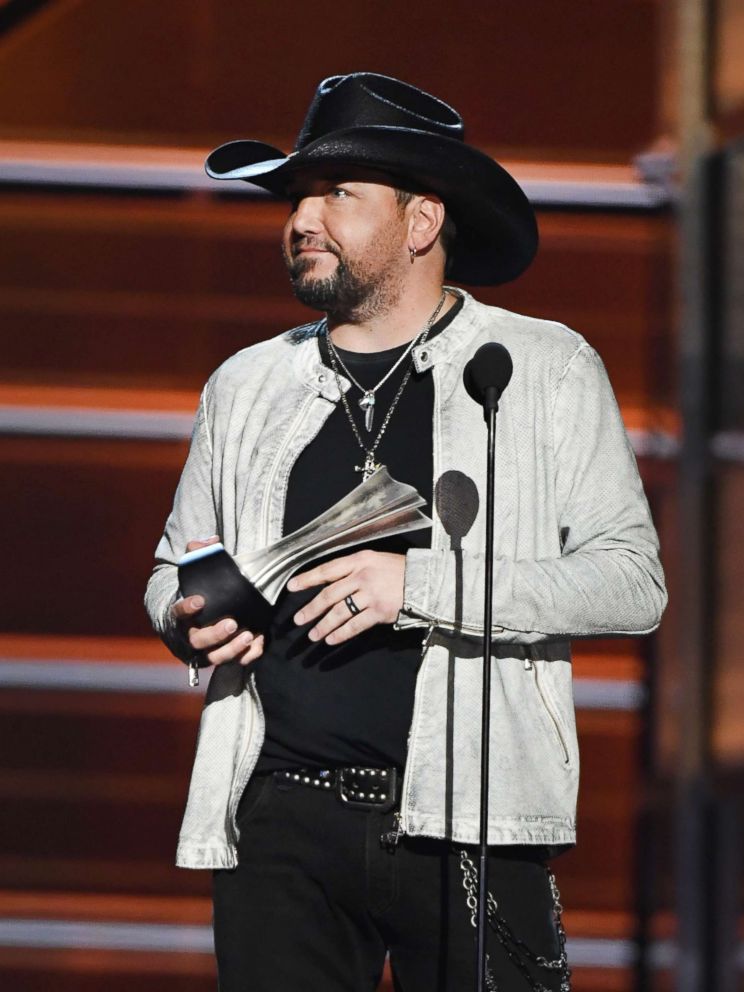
pixel 374 580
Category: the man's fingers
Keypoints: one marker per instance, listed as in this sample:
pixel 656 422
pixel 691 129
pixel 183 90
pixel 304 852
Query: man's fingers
pixel 339 617
pixel 206 638
pixel 187 607
pixel 234 648
pixel 254 651
pixel 362 621
pixel 374 579
pixel 329 571
pixel 326 598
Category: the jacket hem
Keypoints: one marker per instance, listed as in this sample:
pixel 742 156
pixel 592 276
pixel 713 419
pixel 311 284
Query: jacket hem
pixel 206 857
pixel 542 830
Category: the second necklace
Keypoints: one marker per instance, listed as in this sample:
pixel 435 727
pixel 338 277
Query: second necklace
pixel 370 465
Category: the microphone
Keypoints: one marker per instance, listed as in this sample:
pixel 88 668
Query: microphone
pixel 487 375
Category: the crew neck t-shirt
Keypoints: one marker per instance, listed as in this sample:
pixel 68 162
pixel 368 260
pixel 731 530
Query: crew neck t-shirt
pixel 351 703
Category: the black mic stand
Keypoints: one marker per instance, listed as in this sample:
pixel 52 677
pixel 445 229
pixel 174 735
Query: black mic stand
pixel 490 410
pixel 485 377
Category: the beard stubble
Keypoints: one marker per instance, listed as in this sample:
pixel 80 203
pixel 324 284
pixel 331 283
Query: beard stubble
pixel 355 291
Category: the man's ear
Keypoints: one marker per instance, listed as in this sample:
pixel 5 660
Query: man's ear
pixel 426 222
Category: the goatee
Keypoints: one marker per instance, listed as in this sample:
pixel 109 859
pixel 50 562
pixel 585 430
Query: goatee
pixel 347 292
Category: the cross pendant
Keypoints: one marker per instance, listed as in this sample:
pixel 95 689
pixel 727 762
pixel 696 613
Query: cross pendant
pixel 367 403
pixel 369 468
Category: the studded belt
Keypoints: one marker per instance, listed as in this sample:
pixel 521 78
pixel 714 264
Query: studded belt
pixel 356 787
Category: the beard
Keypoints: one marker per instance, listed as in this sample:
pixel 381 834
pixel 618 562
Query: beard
pixel 351 291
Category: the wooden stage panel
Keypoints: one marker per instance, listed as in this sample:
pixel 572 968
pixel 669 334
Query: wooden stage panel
pixel 112 769
pixel 142 296
pixel 87 517
pixel 518 72
pixel 91 971
pixel 607 816
pixel 156 293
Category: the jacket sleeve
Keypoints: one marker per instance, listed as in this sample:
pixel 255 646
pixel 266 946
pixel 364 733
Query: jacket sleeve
pixel 608 579
pixel 193 516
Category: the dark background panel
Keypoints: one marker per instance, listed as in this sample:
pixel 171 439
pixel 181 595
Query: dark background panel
pixel 87 517
pixel 104 291
pixel 549 77
pixel 111 774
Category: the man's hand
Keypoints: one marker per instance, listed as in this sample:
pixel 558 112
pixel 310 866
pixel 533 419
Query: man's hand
pixel 374 579
pixel 221 641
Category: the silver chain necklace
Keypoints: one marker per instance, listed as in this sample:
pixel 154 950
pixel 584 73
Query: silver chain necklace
pixel 370 466
pixel 367 401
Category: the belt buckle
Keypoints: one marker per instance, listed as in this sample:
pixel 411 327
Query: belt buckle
pixel 367 788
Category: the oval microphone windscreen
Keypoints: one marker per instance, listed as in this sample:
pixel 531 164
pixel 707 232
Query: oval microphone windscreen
pixel 490 366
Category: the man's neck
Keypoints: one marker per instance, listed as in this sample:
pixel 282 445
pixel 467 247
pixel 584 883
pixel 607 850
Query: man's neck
pixel 394 326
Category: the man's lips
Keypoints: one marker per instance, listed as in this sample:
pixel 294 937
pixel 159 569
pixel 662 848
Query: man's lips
pixel 311 250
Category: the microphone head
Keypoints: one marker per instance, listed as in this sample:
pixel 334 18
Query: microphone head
pixel 490 369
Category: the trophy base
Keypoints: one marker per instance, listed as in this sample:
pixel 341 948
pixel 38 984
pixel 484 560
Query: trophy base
pixel 212 573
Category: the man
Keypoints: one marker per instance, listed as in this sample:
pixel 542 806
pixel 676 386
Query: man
pixel 335 790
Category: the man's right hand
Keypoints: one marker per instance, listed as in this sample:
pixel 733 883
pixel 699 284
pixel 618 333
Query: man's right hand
pixel 221 641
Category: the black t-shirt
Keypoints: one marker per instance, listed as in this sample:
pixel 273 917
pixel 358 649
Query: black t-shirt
pixel 350 703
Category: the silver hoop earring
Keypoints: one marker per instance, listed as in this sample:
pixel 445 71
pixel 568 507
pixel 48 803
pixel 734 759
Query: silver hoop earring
pixel 412 252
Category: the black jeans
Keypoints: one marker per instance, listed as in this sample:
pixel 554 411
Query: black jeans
pixel 316 902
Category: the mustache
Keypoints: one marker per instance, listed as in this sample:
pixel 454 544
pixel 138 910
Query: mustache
pixel 316 243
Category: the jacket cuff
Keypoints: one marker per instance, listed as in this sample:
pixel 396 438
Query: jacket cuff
pixel 422 579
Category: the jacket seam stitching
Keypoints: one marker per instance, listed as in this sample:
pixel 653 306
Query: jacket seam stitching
pixel 207 429
pixel 583 346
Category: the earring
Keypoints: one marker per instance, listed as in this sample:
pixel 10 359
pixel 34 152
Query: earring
pixel 412 252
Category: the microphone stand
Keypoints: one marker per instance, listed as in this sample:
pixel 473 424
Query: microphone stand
pixel 486 376
pixel 490 410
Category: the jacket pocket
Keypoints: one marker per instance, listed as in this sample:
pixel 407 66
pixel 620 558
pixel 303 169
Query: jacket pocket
pixel 550 710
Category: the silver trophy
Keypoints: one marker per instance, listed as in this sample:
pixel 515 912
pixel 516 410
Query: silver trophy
pixel 247 586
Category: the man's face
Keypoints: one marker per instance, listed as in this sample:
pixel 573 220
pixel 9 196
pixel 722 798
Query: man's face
pixel 345 242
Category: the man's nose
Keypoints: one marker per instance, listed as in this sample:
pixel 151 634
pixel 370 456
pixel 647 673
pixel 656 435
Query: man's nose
pixel 307 215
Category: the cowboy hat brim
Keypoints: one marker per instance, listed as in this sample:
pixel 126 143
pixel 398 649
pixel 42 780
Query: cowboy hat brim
pixel 496 229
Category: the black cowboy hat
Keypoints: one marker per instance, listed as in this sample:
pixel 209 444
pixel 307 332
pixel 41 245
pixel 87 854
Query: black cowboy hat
pixel 384 124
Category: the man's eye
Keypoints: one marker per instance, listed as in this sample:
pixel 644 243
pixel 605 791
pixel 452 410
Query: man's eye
pixel 339 192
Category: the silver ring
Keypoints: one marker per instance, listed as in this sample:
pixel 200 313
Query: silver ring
pixel 354 609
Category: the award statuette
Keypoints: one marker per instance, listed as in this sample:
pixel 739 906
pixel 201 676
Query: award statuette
pixel 247 586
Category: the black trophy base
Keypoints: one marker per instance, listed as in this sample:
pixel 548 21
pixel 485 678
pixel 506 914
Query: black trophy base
pixel 226 591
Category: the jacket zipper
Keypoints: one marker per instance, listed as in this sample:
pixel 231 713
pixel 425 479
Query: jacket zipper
pixel 435 621
pixel 243 774
pixel 553 717
pixel 391 838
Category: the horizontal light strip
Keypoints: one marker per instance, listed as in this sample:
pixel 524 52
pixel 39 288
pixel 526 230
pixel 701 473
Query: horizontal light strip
pixel 167 937
pixel 653 444
pixel 96 676
pixel 728 446
pixel 608 694
pixel 181 170
pixel 593 194
pixel 101 676
pixel 601 952
pixel 171 177
pixel 174 937
pixel 64 421
pixel 156 425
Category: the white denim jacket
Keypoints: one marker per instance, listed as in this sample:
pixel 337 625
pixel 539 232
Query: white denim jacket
pixel 576 556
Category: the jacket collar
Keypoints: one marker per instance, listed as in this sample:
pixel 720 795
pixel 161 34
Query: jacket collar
pixel 315 376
